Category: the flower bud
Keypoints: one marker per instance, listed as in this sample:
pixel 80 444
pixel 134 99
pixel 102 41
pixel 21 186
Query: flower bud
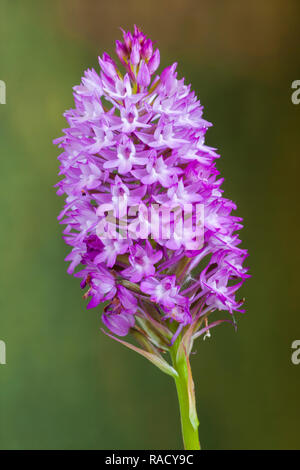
pixel 147 49
pixel 135 53
pixel 121 51
pixel 154 62
pixel 143 78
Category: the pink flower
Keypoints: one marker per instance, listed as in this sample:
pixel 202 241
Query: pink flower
pixel 137 175
pixel 142 262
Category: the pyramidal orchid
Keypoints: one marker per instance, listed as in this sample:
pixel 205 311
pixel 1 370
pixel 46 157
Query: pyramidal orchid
pixel 150 232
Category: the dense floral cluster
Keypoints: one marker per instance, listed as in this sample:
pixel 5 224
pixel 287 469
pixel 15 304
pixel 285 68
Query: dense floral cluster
pixel 136 140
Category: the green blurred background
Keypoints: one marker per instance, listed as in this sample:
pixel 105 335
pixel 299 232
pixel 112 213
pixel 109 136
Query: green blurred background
pixel 66 385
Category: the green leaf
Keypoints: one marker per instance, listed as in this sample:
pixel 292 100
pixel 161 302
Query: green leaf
pixel 155 337
pixel 156 359
pixel 192 400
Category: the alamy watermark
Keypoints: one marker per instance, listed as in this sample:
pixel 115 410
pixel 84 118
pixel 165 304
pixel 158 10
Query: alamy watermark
pixel 295 358
pixel 296 94
pixel 2 92
pixel 179 223
pixel 2 353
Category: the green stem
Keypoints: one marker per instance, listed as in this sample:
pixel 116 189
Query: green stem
pixel 188 413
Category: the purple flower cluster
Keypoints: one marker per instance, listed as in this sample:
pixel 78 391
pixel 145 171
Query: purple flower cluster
pixel 137 139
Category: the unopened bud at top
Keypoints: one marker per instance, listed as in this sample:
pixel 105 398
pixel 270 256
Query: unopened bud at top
pixel 143 77
pixel 147 49
pixel 154 62
pixel 121 51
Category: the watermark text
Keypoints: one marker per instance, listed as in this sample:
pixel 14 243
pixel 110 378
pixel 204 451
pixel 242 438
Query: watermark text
pixel 181 224
pixel 296 94
pixel 295 358
pixel 2 92
pixel 2 353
